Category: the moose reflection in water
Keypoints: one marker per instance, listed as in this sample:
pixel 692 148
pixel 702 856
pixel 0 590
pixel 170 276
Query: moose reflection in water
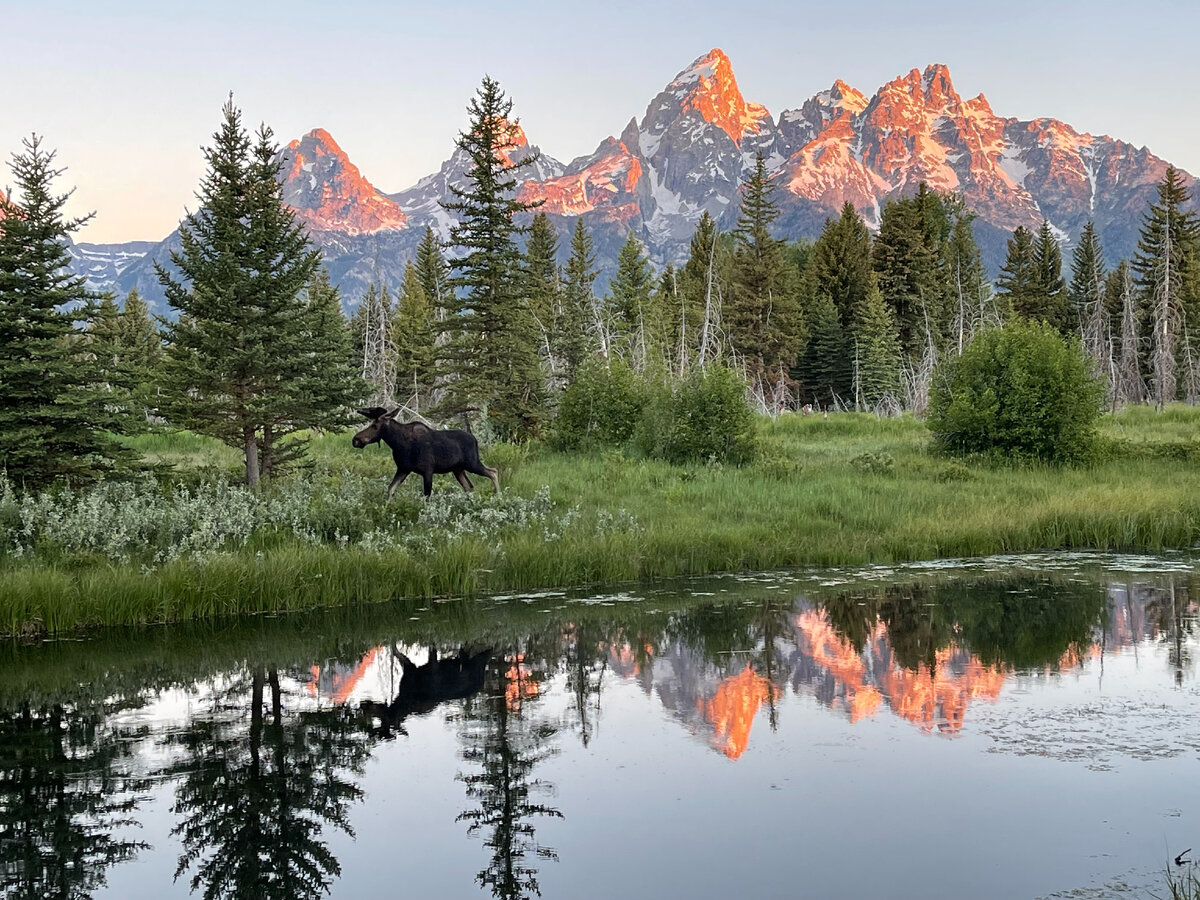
pixel 422 688
pixel 427 451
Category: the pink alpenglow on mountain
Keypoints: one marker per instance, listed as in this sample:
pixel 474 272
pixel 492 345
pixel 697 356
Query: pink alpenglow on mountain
pixel 328 192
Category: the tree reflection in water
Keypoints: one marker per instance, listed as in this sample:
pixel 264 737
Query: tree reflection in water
pixel 501 735
pixel 62 798
pixel 255 796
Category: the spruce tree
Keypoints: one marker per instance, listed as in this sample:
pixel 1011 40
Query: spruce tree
pixel 840 264
pixel 54 423
pixel 762 315
pixel 825 371
pixel 1052 301
pixel 126 349
pixel 876 353
pixel 1168 281
pixel 238 354
pixel 413 337
pixel 1087 298
pixel 577 334
pixel 699 288
pixel 142 351
pixel 628 313
pixel 1017 284
pixel 432 270
pixel 491 348
pixel 542 286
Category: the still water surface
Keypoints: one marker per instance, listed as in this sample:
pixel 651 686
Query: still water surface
pixel 1024 727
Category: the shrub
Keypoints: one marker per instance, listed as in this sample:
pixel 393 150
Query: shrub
pixel 601 408
pixel 874 463
pixel 1020 391
pixel 703 417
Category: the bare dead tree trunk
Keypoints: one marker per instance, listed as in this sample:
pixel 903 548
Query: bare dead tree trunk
pixel 1165 317
pixel 705 334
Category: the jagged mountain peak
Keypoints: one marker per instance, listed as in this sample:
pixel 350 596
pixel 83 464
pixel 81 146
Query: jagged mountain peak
pixel 329 193
pixel 708 88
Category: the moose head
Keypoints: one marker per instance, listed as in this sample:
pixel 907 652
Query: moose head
pixel 374 431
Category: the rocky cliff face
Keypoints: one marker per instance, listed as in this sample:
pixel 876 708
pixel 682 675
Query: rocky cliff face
pixel 696 143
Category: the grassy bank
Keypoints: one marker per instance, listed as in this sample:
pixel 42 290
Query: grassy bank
pixel 843 490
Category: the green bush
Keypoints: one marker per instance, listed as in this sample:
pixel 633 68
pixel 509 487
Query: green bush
pixel 874 463
pixel 601 408
pixel 702 417
pixel 1021 391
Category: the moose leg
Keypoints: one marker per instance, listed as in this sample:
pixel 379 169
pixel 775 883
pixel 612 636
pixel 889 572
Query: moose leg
pixel 464 480
pixel 490 473
pixel 396 482
pixel 427 479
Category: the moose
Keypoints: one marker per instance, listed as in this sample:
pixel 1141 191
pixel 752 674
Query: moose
pixel 423 688
pixel 418 448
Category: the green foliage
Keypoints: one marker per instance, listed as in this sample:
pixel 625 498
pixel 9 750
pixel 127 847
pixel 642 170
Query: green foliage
pixel 490 356
pixel 601 408
pixel 1021 391
pixel 258 352
pixel 54 422
pixel 574 335
pixel 1031 280
pixel 630 311
pixel 874 463
pixel 413 337
pixel 762 312
pixel 703 417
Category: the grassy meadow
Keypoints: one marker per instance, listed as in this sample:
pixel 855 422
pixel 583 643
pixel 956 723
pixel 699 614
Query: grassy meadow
pixel 846 489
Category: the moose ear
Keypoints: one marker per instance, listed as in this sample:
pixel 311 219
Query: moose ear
pixel 373 412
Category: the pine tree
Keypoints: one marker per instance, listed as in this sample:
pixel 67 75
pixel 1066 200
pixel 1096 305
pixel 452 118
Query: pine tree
pixel 125 349
pixel 542 286
pixel 840 264
pixel 1017 284
pixel 432 270
pixel 491 347
pixel 972 295
pixel 577 334
pixel 762 314
pixel 1052 300
pixel 142 352
pixel 238 355
pixel 413 337
pixel 54 423
pixel 876 353
pixel 1168 280
pixel 1087 298
pixel 323 383
pixel 825 371
pixel 698 295
pixel 628 313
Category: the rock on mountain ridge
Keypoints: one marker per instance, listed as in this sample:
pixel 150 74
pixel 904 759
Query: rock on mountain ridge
pixel 696 142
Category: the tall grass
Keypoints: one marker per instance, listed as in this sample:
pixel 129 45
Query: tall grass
pixel 848 489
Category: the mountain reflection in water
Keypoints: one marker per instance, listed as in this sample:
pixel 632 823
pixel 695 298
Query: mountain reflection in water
pixel 255 740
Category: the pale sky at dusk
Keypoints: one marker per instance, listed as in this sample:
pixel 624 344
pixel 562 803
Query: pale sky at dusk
pixel 129 91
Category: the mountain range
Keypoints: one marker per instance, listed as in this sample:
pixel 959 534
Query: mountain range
pixel 690 151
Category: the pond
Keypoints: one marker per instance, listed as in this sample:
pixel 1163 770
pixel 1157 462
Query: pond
pixel 1011 727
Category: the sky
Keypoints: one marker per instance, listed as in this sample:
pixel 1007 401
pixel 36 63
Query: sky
pixel 128 92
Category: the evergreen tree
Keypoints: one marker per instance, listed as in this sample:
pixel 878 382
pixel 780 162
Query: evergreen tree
pixel 825 371
pixel 54 422
pixel 491 346
pixel 578 329
pixel 238 358
pixel 876 353
pixel 837 284
pixel 628 311
pixel 1168 279
pixel 125 349
pixel 1087 298
pixel 1018 281
pixel 699 290
pixel 433 272
pixel 542 285
pixel 762 314
pixel 972 295
pixel 413 337
pixel 912 261
pixel 141 352
pixel 1052 300
pixel 840 264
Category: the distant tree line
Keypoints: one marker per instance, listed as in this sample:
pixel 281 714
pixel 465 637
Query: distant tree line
pixel 490 329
